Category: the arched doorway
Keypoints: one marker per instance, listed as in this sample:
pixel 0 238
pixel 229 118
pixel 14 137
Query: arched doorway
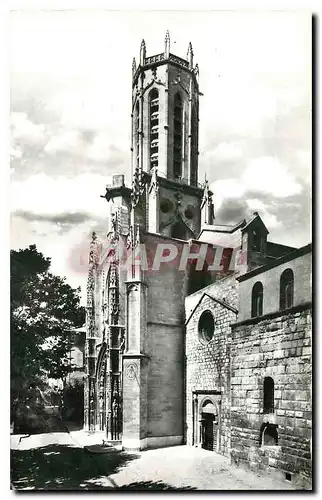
pixel 209 425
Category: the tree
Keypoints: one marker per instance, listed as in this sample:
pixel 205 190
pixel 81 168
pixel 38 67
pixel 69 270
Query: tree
pixel 44 310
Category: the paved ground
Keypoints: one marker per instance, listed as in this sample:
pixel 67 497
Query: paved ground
pixel 184 467
pixel 57 460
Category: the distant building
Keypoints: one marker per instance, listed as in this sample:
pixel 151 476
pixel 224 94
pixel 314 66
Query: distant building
pixel 77 353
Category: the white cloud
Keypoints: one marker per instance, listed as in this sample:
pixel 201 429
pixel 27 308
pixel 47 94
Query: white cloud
pixel 255 204
pixel 225 151
pixel 271 221
pixel 65 141
pixel 269 175
pixel 42 194
pixel 15 152
pixel 263 175
pixel 227 188
pixel 24 131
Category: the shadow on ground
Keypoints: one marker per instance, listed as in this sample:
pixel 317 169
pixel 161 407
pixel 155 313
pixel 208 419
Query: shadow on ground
pixel 151 485
pixel 57 467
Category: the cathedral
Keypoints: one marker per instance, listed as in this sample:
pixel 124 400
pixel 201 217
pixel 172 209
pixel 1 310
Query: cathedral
pixel 202 334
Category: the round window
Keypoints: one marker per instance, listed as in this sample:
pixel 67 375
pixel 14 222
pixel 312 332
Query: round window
pixel 206 326
pixel 165 206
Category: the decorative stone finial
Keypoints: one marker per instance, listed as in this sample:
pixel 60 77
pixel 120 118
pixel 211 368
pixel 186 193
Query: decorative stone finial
pixel 190 56
pixel 129 239
pixel 133 66
pixel 138 235
pixel 142 53
pixel 207 206
pixel 167 45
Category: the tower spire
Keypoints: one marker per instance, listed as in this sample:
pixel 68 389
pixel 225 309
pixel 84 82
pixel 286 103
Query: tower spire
pixel 190 55
pixel 167 45
pixel 142 52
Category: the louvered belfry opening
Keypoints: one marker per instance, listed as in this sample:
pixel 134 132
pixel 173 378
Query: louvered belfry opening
pixel 154 127
pixel 177 136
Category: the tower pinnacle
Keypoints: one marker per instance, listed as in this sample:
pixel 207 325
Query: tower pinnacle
pixel 207 206
pixel 167 45
pixel 142 53
pixel 190 55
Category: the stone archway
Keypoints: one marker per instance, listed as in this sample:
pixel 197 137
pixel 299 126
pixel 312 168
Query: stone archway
pixel 207 422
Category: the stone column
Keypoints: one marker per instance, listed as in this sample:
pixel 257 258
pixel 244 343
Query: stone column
pixel 135 366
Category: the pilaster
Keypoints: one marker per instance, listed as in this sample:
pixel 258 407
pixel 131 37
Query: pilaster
pixel 134 359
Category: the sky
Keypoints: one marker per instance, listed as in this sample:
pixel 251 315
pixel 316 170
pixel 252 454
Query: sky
pixel 70 81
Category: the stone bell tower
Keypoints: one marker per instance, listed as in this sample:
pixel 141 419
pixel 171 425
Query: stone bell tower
pixel 165 127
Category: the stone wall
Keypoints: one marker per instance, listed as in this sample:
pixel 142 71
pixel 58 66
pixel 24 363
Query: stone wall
pixel 164 347
pixel 224 289
pixel 165 380
pixel 301 267
pixel 277 346
pixel 208 364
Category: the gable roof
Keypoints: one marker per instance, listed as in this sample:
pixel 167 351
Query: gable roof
pixel 276 250
pixel 215 299
pixel 222 228
pixel 256 220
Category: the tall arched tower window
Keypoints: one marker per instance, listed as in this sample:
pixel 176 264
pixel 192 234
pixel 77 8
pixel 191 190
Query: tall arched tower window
pixel 286 289
pixel 154 127
pixel 136 133
pixel 257 300
pixel 177 136
pixel 194 147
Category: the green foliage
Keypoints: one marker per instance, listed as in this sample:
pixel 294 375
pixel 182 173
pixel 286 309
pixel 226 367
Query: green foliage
pixel 44 310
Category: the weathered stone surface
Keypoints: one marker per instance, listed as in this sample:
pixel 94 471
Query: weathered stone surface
pixel 292 395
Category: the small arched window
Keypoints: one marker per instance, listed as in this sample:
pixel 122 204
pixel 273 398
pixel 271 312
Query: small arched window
pixel 177 136
pixel 154 127
pixel 257 300
pixel 268 403
pixel 286 289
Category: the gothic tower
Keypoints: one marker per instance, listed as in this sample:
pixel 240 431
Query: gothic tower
pixel 165 126
pixel 130 329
